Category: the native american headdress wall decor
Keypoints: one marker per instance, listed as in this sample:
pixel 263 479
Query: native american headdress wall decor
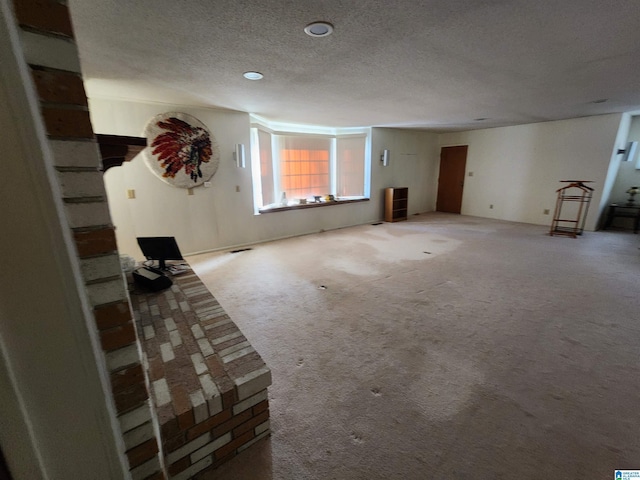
pixel 180 150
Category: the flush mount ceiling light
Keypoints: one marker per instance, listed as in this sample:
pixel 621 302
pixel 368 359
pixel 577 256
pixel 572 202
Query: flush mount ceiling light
pixel 318 29
pixel 253 75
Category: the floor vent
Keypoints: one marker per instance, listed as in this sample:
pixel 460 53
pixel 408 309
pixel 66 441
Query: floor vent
pixel 240 250
pixel 379 223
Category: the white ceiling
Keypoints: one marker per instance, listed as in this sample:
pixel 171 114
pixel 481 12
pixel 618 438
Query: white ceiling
pixel 430 64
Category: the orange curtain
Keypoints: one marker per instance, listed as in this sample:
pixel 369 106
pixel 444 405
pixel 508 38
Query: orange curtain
pixel 304 166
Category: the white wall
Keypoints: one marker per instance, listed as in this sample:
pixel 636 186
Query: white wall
pixel 220 217
pixel 518 169
pixel 628 175
pixel 414 158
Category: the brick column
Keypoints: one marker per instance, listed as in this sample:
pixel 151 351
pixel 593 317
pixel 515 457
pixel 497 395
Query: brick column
pixel 51 53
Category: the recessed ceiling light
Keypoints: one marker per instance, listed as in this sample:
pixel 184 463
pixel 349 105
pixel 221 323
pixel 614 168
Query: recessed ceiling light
pixel 318 29
pixel 253 75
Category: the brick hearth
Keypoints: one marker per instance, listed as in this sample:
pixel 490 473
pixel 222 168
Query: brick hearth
pixel 208 384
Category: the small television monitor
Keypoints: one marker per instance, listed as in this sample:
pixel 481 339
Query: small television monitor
pixel 160 249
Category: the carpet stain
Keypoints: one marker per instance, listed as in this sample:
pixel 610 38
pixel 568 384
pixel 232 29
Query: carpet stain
pixel 572 341
pixel 401 245
pixel 527 413
pixel 345 264
pixel 443 383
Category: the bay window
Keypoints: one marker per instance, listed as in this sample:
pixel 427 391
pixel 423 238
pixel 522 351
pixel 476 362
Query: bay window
pixel 294 168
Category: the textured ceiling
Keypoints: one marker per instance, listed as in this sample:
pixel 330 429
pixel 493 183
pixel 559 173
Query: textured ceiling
pixel 430 64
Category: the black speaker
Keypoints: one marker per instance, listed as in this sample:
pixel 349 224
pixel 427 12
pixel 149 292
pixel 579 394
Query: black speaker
pixel 151 279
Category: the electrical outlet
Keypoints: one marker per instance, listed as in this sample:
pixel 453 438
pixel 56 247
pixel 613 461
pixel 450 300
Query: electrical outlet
pixel 546 211
pixel 491 206
pixel 131 194
pixel 207 184
pixel 471 174
pixel 237 188
pixel 189 191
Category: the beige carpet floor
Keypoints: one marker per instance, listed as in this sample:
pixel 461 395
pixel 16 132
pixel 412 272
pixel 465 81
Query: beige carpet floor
pixel 445 347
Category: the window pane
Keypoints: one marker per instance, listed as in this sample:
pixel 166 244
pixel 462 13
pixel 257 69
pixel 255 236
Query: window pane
pixel 266 168
pixel 350 166
pixel 304 166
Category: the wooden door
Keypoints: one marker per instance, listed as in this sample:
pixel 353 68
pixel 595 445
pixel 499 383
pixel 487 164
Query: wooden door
pixel 453 161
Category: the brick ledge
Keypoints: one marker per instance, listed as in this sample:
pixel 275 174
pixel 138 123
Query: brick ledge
pixel 208 384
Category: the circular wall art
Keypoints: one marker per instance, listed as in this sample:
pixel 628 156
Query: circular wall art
pixel 181 150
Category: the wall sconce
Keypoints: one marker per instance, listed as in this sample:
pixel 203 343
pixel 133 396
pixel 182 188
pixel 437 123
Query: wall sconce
pixel 238 155
pixel 384 158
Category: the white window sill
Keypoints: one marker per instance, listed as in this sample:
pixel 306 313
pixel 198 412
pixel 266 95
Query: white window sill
pixel 322 203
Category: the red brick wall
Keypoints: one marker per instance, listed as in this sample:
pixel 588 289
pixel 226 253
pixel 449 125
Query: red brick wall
pixel 63 104
pixel 208 383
